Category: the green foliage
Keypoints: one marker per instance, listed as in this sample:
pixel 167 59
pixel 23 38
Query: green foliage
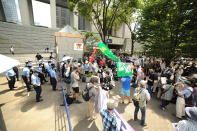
pixel 167 26
pixel 102 13
pixel 129 17
pixel 90 38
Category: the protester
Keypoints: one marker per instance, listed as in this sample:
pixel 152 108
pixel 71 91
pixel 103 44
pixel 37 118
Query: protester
pixel 75 84
pixel 108 118
pixel 184 92
pixel 93 94
pixel 125 90
pixel 151 81
pixel 144 97
pixel 38 57
pixel 167 94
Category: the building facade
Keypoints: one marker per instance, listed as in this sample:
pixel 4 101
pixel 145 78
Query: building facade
pixel 22 12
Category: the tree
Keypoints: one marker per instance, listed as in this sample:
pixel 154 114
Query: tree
pixel 130 18
pixel 167 25
pixel 102 13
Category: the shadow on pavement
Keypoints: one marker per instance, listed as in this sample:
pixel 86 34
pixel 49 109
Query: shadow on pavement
pixel 27 105
pixel 121 108
pixel 4 83
pixel 4 91
pixel 136 125
pixel 154 105
pixel 21 93
pixel 86 125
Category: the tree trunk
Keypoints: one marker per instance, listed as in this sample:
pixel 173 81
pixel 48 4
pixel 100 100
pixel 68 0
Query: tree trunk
pixel 132 44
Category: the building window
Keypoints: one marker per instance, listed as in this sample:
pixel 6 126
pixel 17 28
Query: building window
pixel 41 11
pixel 81 23
pixel 11 10
pixel 62 16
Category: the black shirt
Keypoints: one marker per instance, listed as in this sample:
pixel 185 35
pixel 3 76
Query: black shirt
pixel 152 77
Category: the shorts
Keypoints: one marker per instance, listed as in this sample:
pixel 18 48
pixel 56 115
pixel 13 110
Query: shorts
pixel 76 89
pixel 125 92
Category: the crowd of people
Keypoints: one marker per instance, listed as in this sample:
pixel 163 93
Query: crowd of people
pixel 174 82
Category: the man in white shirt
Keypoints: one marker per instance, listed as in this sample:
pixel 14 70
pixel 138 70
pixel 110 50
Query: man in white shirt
pixel 144 97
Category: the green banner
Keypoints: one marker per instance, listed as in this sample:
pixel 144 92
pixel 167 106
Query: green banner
pixel 107 52
pixel 123 69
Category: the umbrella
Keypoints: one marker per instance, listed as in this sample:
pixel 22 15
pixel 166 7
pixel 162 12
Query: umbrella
pixel 66 58
pixel 7 63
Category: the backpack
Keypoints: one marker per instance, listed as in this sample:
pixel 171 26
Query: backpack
pixel 85 93
pixel 136 98
pixel 69 99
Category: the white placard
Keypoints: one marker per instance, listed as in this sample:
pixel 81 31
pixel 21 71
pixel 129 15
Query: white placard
pixel 78 46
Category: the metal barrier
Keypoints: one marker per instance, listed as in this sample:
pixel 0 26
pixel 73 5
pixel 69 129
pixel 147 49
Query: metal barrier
pixel 67 111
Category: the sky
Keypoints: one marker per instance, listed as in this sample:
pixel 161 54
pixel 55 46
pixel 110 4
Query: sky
pixel 41 13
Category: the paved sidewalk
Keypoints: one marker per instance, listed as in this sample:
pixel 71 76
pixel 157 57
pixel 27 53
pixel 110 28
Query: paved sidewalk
pixel 22 113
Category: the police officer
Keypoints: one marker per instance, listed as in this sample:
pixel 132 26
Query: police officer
pixel 48 68
pixel 53 77
pixel 16 72
pixel 35 81
pixel 41 74
pixel 10 75
pixel 26 76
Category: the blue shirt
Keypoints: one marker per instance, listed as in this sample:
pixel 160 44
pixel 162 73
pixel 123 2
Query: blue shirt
pixel 26 71
pixel 126 82
pixel 109 121
pixel 10 72
pixel 48 67
pixel 40 69
pixel 186 92
pixel 52 73
pixel 86 67
pixel 35 80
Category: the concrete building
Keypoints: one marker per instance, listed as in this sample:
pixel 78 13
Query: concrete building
pixel 21 12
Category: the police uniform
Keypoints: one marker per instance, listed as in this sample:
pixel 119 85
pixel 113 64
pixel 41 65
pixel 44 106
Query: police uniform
pixel 53 79
pixel 35 81
pixel 41 75
pixel 26 77
pixel 11 78
pixel 16 72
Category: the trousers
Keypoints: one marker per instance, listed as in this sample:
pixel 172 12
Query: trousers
pixel 38 90
pixel 143 112
pixel 180 107
pixel 27 83
pixel 53 83
pixel 91 110
pixel 11 82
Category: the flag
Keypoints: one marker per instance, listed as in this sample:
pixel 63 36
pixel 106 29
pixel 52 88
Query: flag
pixel 107 52
pixel 123 69
pixel 92 56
